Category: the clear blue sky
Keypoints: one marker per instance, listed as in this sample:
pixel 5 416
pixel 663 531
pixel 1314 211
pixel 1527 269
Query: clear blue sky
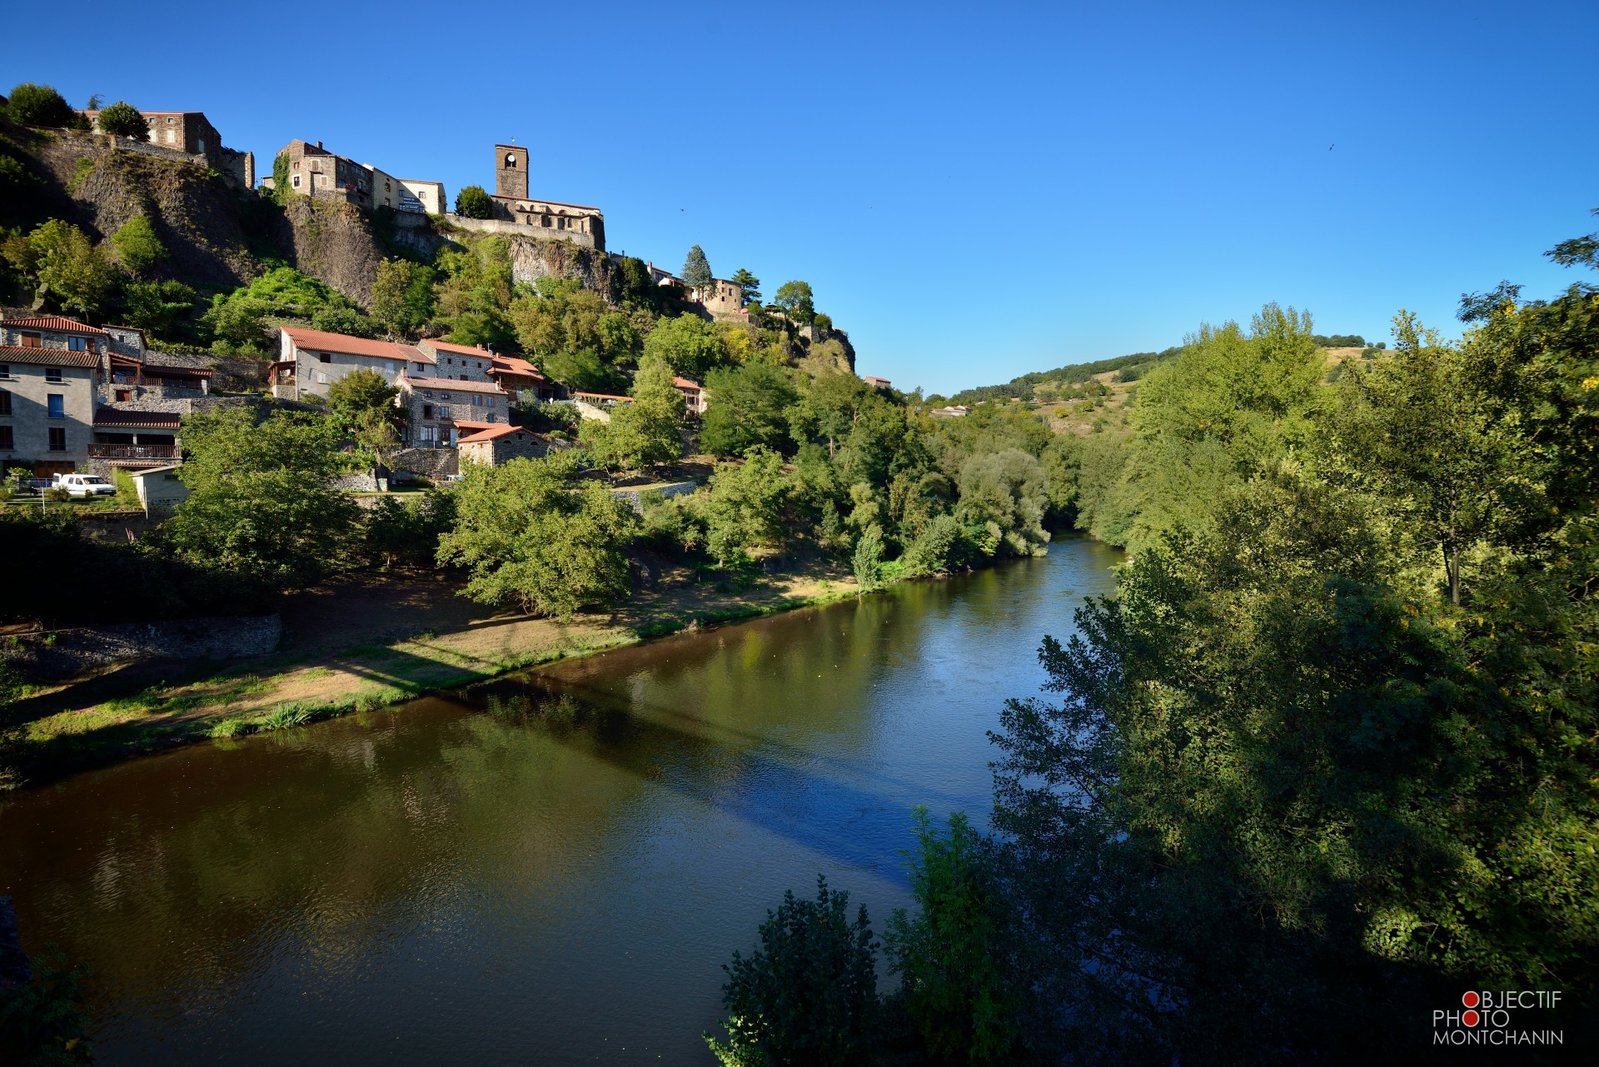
pixel 973 192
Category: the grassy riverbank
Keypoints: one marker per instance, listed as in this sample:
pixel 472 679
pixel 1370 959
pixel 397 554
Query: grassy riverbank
pixel 358 645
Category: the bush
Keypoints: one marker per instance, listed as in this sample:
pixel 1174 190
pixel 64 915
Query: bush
pixel 474 202
pixel 124 120
pixel 138 248
pixel 809 993
pixel 39 105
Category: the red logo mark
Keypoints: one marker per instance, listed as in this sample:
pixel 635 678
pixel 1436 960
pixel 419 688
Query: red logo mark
pixel 1470 1000
pixel 1470 1018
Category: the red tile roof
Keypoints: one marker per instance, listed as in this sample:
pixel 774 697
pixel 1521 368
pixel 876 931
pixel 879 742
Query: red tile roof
pixel 151 420
pixel 493 434
pixel 684 383
pixel 515 365
pixel 346 345
pixel 475 427
pixel 552 203
pixel 53 322
pixel 450 346
pixel 47 357
pixel 449 384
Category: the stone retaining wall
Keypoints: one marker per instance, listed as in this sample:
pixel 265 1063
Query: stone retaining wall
pixel 57 655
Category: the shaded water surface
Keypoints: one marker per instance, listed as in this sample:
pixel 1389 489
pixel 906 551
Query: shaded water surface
pixel 550 868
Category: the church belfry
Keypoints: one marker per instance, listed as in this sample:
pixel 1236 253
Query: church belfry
pixel 510 171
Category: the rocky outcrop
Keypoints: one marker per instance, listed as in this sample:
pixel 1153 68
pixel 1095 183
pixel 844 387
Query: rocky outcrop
pixel 198 216
pixel 333 242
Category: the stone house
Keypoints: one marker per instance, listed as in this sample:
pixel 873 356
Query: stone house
pixel 693 395
pixel 498 444
pixel 525 382
pixel 462 363
pixel 316 172
pixel 877 383
pixel 191 133
pixel 440 409
pixel 311 360
pixel 722 298
pixel 49 369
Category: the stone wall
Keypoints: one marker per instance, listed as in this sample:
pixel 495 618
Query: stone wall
pixel 57 655
pixel 517 229
pixel 430 463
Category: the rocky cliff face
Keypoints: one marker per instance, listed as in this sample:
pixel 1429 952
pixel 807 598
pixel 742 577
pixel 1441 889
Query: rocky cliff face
pixel 332 242
pixel 194 212
pixel 533 258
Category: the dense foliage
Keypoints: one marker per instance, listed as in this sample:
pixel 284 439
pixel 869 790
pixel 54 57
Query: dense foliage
pixel 123 120
pixel 1328 757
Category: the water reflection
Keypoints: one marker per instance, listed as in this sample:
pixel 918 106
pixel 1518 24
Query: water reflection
pixel 550 867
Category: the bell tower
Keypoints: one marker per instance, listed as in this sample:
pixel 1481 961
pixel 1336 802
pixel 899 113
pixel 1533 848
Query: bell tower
pixel 510 171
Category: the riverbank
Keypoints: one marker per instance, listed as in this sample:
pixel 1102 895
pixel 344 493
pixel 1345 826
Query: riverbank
pixel 358 645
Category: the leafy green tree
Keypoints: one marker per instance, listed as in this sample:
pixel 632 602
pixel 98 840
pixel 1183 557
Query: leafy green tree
pixel 361 405
pixel 688 344
pixel 162 308
pixel 474 291
pixel 750 285
pixel 408 531
pixel 402 297
pixel 259 503
pixel 282 179
pixel 748 406
pixel 949 955
pixel 574 336
pixel 123 120
pixel 866 562
pixel 138 248
pixel 808 994
pixel 242 319
pixel 474 202
pixel 532 535
pixel 1003 495
pixel 69 270
pixel 39 105
pixel 744 507
pixel 644 433
pixel 797 300
pixel 696 269
pixel 1415 429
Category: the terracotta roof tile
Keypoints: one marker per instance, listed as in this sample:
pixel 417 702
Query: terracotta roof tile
pixel 491 434
pixel 47 357
pixel 516 365
pixel 346 345
pixel 155 420
pixel 450 346
pixel 54 322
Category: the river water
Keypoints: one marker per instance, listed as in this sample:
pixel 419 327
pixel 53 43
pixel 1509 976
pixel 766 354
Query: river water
pixel 549 868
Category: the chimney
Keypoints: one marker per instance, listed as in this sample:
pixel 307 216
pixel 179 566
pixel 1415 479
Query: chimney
pixel 319 144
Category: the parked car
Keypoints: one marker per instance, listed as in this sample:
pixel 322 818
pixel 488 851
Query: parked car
pixel 83 485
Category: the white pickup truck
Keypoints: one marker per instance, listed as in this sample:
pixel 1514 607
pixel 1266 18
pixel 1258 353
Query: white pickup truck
pixel 83 485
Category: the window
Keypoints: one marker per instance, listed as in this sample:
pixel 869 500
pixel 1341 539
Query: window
pixel 444 396
pixel 5 370
pixel 78 344
pixel 324 357
pixel 58 439
pixel 52 374
pixel 477 401
pixel 5 402
pixel 57 405
pixel 295 181
pixel 6 442
pixel 124 395
pixel 32 340
pixel 491 401
pixel 427 411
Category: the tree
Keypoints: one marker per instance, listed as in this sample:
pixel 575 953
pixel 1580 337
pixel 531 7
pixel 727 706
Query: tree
pixel 1003 495
pixel 159 307
pixel 138 248
pixel 808 994
pixel 744 508
pixel 474 202
pixel 950 954
pixel 122 119
pixel 645 432
pixel 70 271
pixel 241 320
pixel 748 406
pixel 1416 429
pixel 39 105
pixel 697 270
pixel 361 405
pixel 259 502
pixel 688 344
pixel 796 299
pixel 750 285
pixel 402 297
pixel 531 535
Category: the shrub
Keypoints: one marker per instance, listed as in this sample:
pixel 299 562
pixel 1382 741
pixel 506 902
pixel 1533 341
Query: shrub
pixel 473 202
pixel 39 105
pixel 124 120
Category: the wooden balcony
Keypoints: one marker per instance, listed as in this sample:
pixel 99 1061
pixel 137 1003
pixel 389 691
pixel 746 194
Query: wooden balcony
pixel 134 455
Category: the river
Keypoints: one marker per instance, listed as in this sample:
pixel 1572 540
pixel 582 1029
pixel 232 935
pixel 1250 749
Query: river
pixel 548 868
